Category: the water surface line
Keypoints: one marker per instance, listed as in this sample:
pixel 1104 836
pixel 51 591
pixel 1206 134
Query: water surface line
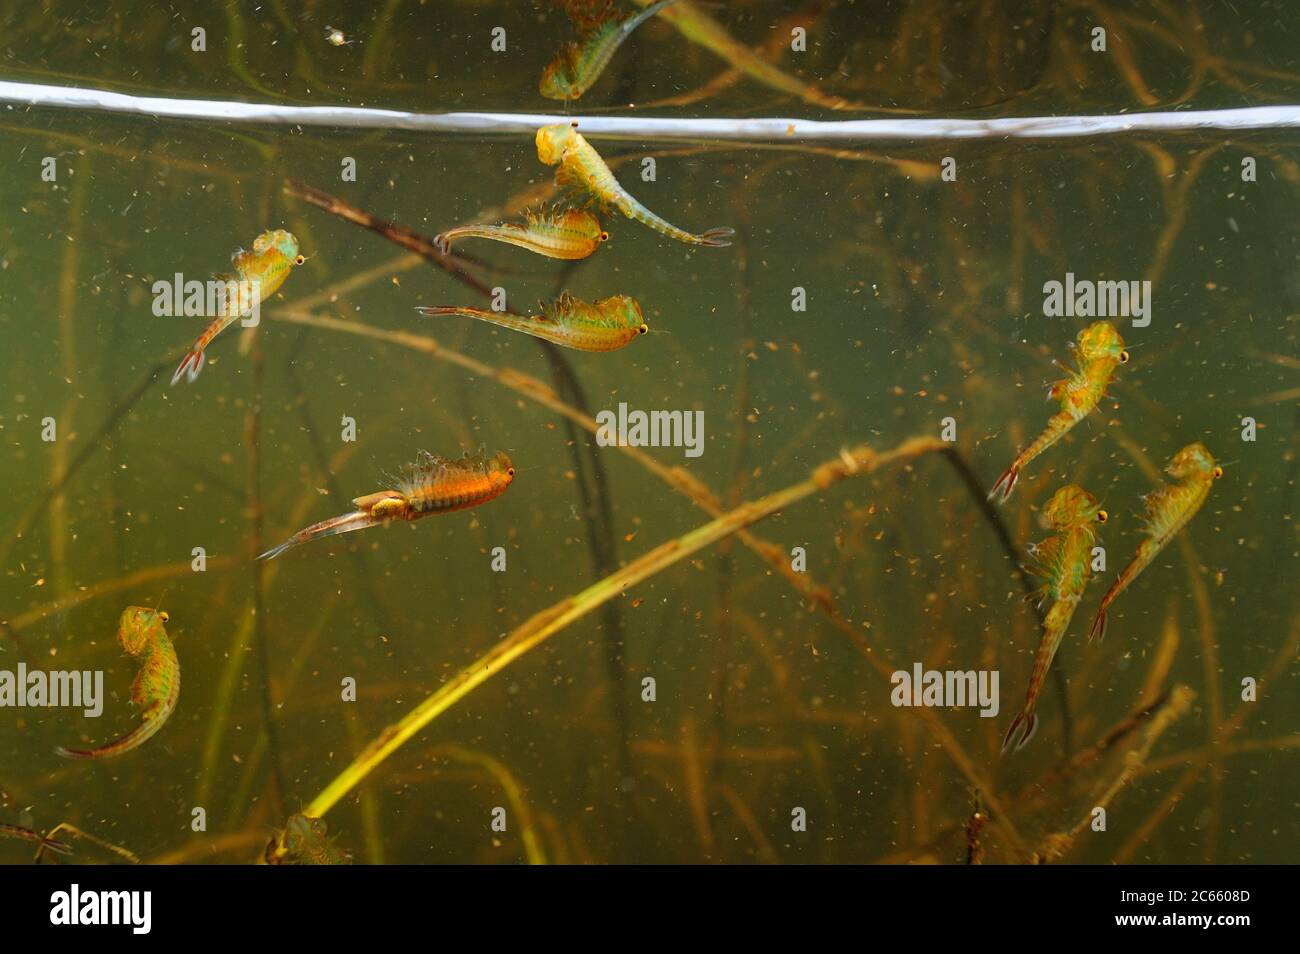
pixel 756 129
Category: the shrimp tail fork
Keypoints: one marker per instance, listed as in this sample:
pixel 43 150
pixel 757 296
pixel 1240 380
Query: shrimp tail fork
pixel 189 367
pixel 1006 484
pixel 344 523
pixel 1027 723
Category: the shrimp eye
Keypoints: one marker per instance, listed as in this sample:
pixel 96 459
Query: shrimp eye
pixel 604 236
pixel 574 124
pixel 164 617
pixel 1218 472
pixel 299 260
pixel 1102 516
pixel 1123 357
pixel 643 330
pixel 510 472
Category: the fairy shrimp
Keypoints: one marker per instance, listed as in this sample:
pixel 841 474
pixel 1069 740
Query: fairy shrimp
pixel 157 685
pixel 581 169
pixel 258 275
pixel 305 841
pixel 560 233
pixel 431 485
pixel 580 65
pixel 604 325
pixel 1167 511
pixel 1064 563
pixel 1098 350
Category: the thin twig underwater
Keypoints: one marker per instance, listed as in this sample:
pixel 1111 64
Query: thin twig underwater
pixel 26 834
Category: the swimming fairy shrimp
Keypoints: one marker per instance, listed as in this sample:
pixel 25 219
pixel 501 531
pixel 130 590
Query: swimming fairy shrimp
pixel 1167 511
pixel 431 485
pixel 1099 350
pixel 582 170
pixel 258 275
pixel 305 841
pixel 157 685
pixel 604 325
pixel 1064 563
pixel 26 834
pixel 560 233
pixel 581 63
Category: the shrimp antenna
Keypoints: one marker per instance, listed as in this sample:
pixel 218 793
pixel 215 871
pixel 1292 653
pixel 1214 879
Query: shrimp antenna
pixel 161 598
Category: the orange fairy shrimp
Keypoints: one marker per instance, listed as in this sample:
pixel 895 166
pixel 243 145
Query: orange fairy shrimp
pixel 581 169
pixel 431 485
pixel 1064 563
pixel 1099 350
pixel 560 233
pixel 157 685
pixel 1167 511
pixel 604 325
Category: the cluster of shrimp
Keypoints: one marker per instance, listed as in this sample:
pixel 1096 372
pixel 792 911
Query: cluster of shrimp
pixel 1064 561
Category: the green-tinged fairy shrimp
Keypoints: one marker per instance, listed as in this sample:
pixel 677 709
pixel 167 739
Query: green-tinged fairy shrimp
pixel 581 63
pixel 258 275
pixel 1167 511
pixel 431 485
pixel 305 841
pixel 26 834
pixel 1064 563
pixel 1098 351
pixel 582 170
pixel 559 233
pixel 157 685
pixel 604 325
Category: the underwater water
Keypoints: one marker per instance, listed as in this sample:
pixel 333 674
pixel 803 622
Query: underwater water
pixel 733 703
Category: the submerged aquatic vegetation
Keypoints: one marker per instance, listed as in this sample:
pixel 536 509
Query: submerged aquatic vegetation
pixel 157 686
pixel 703 30
pixel 583 171
pixel 258 275
pixel 431 485
pixel 1167 511
pixel 558 233
pixel 26 834
pixel 1064 563
pixel 1098 351
pixel 604 325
